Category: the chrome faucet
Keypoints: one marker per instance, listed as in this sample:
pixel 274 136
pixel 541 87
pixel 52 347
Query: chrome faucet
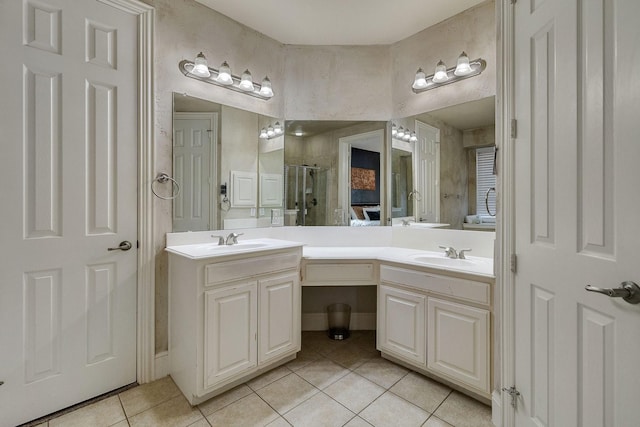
pixel 461 253
pixel 449 252
pixel 220 239
pixel 232 238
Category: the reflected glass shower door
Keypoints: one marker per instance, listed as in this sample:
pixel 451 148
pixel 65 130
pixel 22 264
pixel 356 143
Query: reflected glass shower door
pixel 305 195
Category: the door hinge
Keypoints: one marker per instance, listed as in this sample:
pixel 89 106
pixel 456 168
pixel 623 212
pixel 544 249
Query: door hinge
pixel 137 244
pixel 514 393
pixel 514 128
pixel 514 263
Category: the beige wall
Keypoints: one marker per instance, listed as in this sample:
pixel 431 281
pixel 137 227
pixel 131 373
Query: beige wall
pixel 310 82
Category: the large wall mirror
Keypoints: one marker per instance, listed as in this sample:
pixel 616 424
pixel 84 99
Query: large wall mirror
pixel 334 173
pixel 446 176
pixel 229 176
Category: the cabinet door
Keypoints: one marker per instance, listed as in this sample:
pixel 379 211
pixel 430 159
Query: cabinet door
pixel 402 324
pixel 279 328
pixel 458 343
pixel 230 316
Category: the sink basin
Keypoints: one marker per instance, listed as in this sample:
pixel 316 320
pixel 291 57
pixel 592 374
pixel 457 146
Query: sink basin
pixel 444 261
pixel 212 249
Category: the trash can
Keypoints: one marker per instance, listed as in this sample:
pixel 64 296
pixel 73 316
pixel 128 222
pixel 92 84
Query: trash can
pixel 339 317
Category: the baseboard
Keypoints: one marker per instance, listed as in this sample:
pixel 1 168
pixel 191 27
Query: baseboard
pixel 318 321
pixel 161 365
pixel 496 408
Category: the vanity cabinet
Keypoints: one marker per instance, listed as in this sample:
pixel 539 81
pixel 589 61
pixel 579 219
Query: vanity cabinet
pixel 458 342
pixel 402 324
pixel 439 325
pixel 232 319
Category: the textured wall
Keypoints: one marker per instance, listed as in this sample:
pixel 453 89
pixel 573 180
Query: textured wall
pixel 310 82
pixel 473 31
pixel 337 83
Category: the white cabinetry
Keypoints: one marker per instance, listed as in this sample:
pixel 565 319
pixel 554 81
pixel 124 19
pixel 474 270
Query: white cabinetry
pixel 401 324
pixel 279 316
pixel 232 319
pixel 458 342
pixel 230 329
pixel 437 324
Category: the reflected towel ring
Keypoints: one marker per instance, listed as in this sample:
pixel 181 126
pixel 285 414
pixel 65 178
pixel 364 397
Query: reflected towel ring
pixel 162 178
pixel 486 201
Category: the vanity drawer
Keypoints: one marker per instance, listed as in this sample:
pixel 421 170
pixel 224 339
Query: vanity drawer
pixel 226 271
pixel 468 290
pixel 347 274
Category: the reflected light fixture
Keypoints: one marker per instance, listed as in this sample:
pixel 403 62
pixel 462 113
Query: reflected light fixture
pixel 269 132
pixel 403 134
pixel 443 75
pixel 199 70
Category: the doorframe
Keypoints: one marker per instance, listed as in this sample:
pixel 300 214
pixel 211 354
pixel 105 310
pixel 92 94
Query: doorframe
pixel 344 170
pixel 506 133
pixel 145 324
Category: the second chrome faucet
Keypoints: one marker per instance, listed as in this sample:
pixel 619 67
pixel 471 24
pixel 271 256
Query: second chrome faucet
pixel 232 239
pixel 450 252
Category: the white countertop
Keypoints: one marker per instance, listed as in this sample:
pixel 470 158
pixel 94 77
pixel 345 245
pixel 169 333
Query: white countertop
pixel 213 250
pixel 479 266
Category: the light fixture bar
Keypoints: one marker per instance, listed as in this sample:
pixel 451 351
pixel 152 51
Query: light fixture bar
pixel 186 67
pixel 477 67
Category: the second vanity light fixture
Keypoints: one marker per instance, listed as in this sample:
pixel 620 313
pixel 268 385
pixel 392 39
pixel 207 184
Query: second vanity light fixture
pixel 199 70
pixel 443 76
pixel 403 134
pixel 271 131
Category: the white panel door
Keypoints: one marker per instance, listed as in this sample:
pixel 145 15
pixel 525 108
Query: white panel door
pixel 427 173
pixel 577 204
pixel 458 342
pixel 69 191
pixel 402 324
pixel 194 168
pixel 279 313
pixel 230 332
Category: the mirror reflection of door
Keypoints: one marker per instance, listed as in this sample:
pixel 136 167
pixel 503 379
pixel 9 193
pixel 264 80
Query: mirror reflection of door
pixel 403 193
pixel 194 135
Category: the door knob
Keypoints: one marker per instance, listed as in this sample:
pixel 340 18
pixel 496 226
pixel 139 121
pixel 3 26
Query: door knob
pixel 124 246
pixel 628 291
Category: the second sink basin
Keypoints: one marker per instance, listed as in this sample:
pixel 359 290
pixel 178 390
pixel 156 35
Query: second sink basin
pixel 447 262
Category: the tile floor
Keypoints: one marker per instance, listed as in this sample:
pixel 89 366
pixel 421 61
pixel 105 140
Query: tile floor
pixel 330 383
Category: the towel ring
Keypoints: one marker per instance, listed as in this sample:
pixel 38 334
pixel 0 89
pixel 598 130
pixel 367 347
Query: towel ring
pixel 486 201
pixel 162 178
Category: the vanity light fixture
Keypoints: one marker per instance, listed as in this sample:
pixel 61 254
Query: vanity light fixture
pixel 269 132
pixel 403 134
pixel 443 75
pixel 199 70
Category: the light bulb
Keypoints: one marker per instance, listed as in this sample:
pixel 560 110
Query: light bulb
pixel 440 76
pixel 200 67
pixel 394 129
pixel 413 137
pixel 420 81
pixel 407 136
pixel 224 74
pixel 263 134
pixel 277 128
pixel 270 131
pixel 463 68
pixel 400 133
pixel 265 89
pixel 246 82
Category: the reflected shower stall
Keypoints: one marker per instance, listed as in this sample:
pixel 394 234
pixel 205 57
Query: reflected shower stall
pixel 305 194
